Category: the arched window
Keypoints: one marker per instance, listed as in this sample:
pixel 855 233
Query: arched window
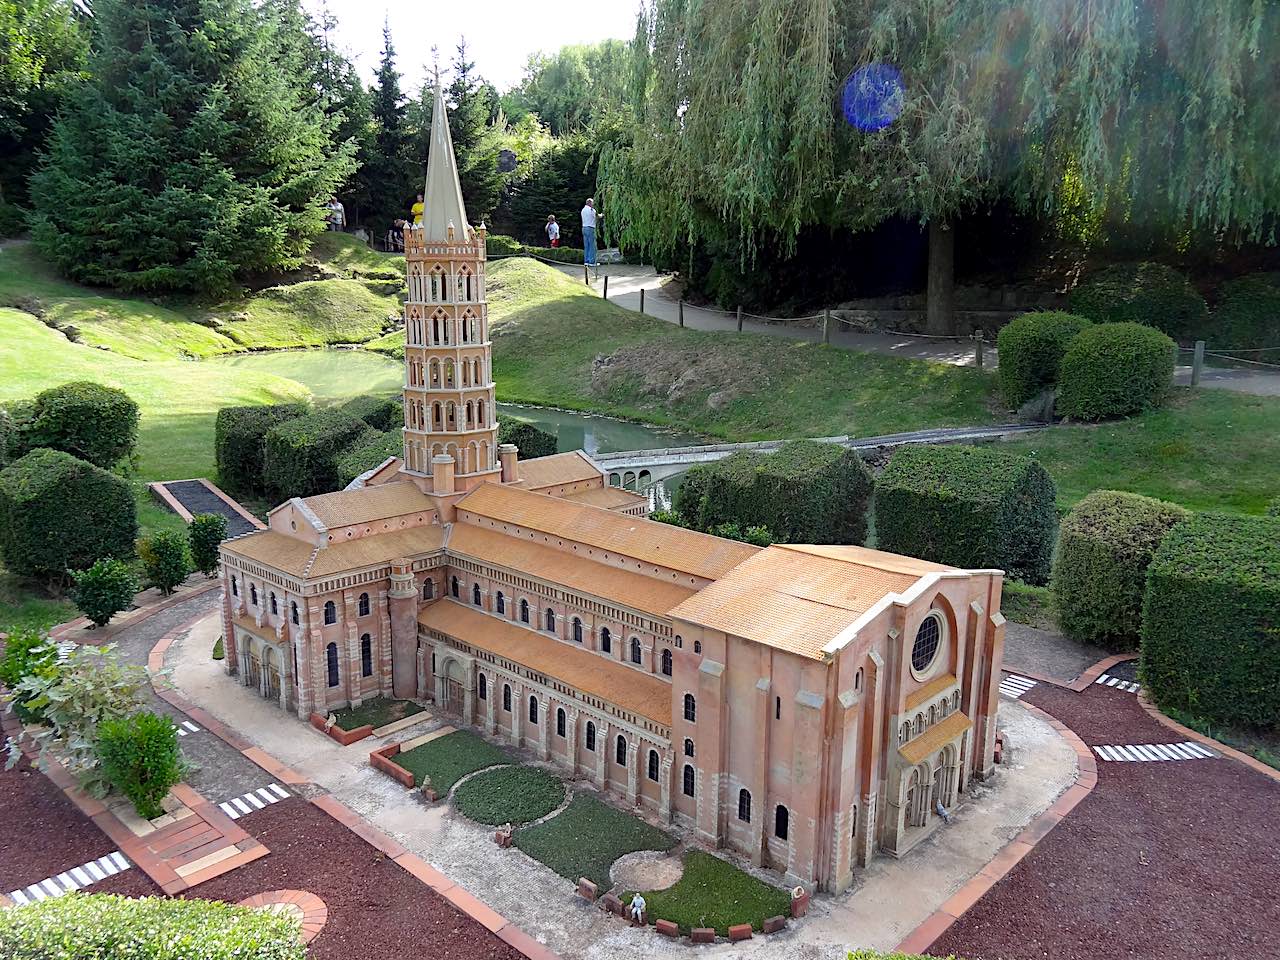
pixel 453 587
pixel 533 709
pixel 857 680
pixel 591 736
pixel 331 659
pixel 679 641
pixel 330 612
pixel 653 765
pixel 688 780
pixel 428 589
pixel 366 656
pixel 475 594
pixel 293 612
pixel 606 641
pixel 362 608
pixel 666 663
pixel 500 603
pixel 275 607
pixel 235 587
pixel 635 649
pixel 484 687
pixel 620 751
pixel 524 611
pixel 560 721
pixel 744 806
pixel 697 646
pixel 690 708
pixel 551 620
pixel 577 630
pixel 688 747
pixel 781 817
pixel 506 697
pixel 253 594
pixel 906 732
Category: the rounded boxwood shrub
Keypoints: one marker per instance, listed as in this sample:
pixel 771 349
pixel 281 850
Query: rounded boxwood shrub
pixel 971 507
pixel 1115 369
pixel 1211 620
pixel 1273 508
pixel 1248 316
pixel 85 419
pixel 1147 293
pixel 381 413
pixel 1105 544
pixel 104 590
pixel 533 441
pixel 1031 348
pixel 239 442
pixel 509 795
pixel 59 513
pixel 140 758
pixel 302 455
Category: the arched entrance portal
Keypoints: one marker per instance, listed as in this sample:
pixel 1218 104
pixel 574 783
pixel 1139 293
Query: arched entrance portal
pixel 454 693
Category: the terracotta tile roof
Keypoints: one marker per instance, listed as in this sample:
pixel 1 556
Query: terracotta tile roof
pixel 792 599
pixel 865 556
pixel 375 549
pixel 593 674
pixel 935 738
pixel 558 468
pixel 347 507
pixel 610 498
pixel 634 590
pixel 929 691
pixel 273 549
pixel 660 544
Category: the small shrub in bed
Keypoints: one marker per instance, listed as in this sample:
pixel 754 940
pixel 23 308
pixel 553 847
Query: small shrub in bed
pixel 1114 370
pixel 93 422
pixel 140 758
pixel 1031 349
pixel 104 590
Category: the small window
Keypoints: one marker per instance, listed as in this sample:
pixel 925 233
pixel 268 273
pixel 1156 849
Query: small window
pixel 635 649
pixel 679 642
pixel 606 641
pixel 577 630
pixel 235 587
pixel 533 709
pixel 653 765
pixel 591 736
pixel 560 722
pixel 697 646
pixel 777 708
pixel 363 605
pixel 688 780
pixel 293 612
pixel 551 620
pixel 524 611
pixel 780 821
pixel 506 697
pixel 484 687
pixel 744 806
pixel 620 751
pixel 330 612
pixel 275 607
pixel 253 594
pixel 690 708
pixel 366 656
pixel 428 589
pixel 475 594
pixel 500 603
pixel 688 747
pixel 331 660
pixel 906 732
pixel 453 588
pixel 666 663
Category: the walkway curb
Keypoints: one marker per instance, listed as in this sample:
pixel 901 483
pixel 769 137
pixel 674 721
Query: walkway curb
pixel 923 936
pixel 1080 683
pixel 1252 762
pixel 62 631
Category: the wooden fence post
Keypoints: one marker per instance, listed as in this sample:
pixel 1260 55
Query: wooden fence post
pixel 682 313
pixel 978 343
pixel 1197 363
pixel 739 318
pixel 586 276
pixel 826 326
pixel 642 299
pixel 606 286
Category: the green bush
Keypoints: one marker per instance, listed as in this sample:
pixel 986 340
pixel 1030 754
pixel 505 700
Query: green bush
pixel 533 441
pixel 1031 348
pixel 805 492
pixel 673 517
pixel 1105 544
pixel 1115 369
pixel 104 590
pixel 1147 293
pixel 206 532
pixel 165 558
pixel 101 926
pixel 497 245
pixel 381 413
pixel 140 758
pixel 1211 620
pixel 13 219
pixel 240 435
pixel 760 536
pixel 971 507
pixel 1248 316
pixel 509 795
pixel 1273 508
pixel 302 455
pixel 87 420
pixel 366 456
pixel 59 513
pixel 25 652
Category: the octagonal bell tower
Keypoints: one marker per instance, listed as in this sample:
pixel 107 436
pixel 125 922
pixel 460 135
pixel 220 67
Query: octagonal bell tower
pixel 448 394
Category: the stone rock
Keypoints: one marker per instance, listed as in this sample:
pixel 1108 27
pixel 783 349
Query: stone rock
pixel 1039 409
pixel 718 400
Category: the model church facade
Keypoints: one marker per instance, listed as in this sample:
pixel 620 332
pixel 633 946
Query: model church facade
pixel 806 706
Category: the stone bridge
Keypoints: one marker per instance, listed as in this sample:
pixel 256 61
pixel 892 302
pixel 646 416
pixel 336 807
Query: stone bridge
pixel 641 469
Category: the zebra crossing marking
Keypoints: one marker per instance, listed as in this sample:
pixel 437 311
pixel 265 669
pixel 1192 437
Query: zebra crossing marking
pixel 1109 681
pixel 73 879
pixel 1014 686
pixel 186 728
pixel 1148 752
pixel 237 807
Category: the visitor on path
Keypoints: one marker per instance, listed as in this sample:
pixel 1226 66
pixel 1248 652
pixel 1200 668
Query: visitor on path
pixel 395 236
pixel 637 909
pixel 589 219
pixel 553 231
pixel 418 208
pixel 337 214
pixel 941 811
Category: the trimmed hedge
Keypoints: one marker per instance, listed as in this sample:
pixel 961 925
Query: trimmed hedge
pixel 1211 620
pixel 1104 547
pixel 533 441
pixel 971 507
pixel 1147 293
pixel 103 926
pixel 1031 348
pixel 1115 369
pixel 497 245
pixel 59 513
pixel 240 435
pixel 805 492
pixel 301 456
pixel 96 423
pixel 381 413
pixel 1248 316
pixel 357 459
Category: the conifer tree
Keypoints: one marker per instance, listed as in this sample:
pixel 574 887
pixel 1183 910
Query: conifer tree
pixel 392 172
pixel 477 135
pixel 195 155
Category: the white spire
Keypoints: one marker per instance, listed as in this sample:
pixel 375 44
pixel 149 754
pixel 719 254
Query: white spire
pixel 443 196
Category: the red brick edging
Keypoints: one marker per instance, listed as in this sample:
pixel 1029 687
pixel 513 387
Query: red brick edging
pixel 1252 762
pixel 344 737
pixel 62 631
pixel 923 936
pixel 314 912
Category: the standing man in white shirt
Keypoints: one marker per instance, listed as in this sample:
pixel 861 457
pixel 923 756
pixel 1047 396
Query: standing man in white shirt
pixel 337 214
pixel 589 219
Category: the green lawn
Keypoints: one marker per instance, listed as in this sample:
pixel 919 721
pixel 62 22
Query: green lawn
pixel 450 758
pixel 376 712
pixel 509 795
pixel 714 893
pixel 585 839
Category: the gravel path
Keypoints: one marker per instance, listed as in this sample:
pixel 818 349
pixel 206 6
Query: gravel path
pixel 197 498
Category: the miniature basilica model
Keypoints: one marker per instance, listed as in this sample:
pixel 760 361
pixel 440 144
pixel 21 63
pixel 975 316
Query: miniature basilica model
pixel 806 706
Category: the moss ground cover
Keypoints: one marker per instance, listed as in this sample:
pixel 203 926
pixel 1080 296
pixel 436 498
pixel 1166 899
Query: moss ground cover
pixel 714 893
pixel 376 712
pixel 509 795
pixel 585 839
pixel 450 758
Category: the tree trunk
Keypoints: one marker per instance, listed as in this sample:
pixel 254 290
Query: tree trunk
pixel 940 300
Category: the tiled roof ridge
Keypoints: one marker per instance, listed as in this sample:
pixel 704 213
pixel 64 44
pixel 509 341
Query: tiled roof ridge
pixel 306 570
